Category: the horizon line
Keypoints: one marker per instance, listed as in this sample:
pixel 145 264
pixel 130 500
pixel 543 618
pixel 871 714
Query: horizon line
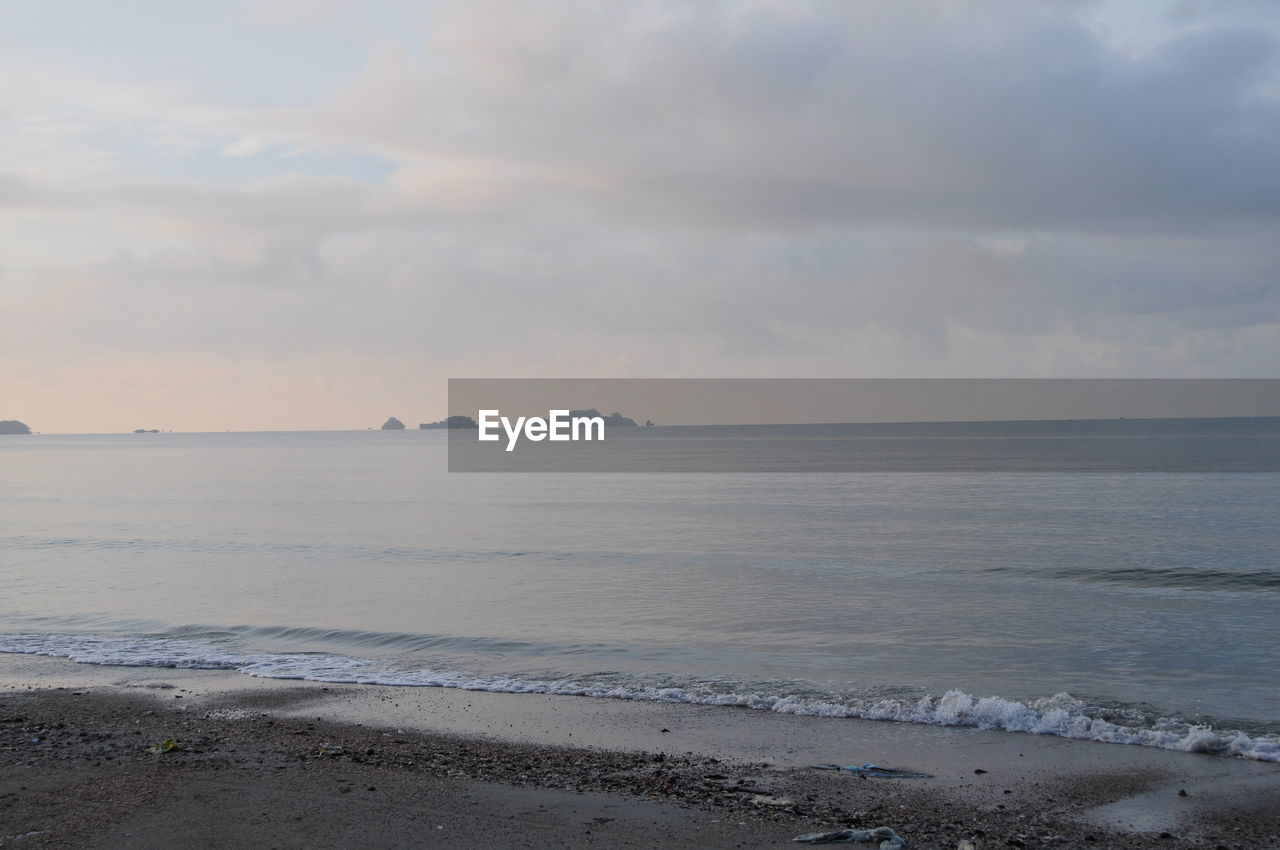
pixel 131 433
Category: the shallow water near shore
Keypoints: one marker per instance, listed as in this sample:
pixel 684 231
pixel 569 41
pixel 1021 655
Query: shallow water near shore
pixel 1123 607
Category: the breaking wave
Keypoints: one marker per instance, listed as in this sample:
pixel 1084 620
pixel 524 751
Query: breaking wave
pixel 1062 714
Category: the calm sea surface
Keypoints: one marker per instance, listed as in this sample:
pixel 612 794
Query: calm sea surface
pixel 1129 607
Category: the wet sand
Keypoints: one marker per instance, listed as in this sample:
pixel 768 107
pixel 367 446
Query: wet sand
pixel 293 764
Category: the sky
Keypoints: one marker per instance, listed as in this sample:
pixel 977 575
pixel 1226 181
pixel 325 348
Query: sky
pixel 272 214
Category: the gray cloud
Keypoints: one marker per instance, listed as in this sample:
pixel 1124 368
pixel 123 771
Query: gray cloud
pixel 777 188
pixel 1007 116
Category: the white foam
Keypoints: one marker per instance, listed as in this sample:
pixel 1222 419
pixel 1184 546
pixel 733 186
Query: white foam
pixel 1060 715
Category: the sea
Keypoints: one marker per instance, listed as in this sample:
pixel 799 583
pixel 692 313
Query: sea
pixel 1129 607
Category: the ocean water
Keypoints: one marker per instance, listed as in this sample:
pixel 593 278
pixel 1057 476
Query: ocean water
pixel 1129 607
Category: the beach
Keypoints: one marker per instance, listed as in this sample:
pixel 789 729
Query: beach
pixel 1074 660
pixel 269 763
pixel 640 424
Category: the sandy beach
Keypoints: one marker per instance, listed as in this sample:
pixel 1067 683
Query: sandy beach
pixel 271 764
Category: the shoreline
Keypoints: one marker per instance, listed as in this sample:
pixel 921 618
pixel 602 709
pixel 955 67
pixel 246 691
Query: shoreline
pixel 1060 715
pixel 565 771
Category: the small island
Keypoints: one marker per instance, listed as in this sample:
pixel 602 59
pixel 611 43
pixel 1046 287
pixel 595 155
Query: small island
pixel 616 419
pixel 393 424
pixel 13 426
pixel 145 431
pixel 451 422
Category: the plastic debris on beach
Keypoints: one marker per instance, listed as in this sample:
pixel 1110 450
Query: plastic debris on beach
pixel 168 745
pixel 883 835
pixel 876 771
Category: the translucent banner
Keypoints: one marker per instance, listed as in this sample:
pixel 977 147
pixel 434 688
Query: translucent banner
pixel 862 425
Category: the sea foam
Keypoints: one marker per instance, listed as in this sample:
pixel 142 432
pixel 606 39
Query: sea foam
pixel 1061 714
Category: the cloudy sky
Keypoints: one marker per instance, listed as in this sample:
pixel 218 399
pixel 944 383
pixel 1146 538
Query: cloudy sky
pixel 310 213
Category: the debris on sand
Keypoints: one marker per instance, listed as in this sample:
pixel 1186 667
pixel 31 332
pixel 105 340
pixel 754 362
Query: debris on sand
pixel 883 835
pixel 876 771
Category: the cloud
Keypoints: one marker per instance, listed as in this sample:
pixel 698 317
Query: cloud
pixel 804 115
pixel 774 188
pixel 246 146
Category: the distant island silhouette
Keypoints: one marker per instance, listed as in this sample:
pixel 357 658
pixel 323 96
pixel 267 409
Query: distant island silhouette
pixel 615 418
pixel 13 426
pixel 451 422
pixel 145 431
pixel 393 424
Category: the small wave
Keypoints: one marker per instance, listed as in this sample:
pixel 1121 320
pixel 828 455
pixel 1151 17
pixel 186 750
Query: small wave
pixel 1181 578
pixel 401 641
pixel 1061 714
pixel 1178 578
